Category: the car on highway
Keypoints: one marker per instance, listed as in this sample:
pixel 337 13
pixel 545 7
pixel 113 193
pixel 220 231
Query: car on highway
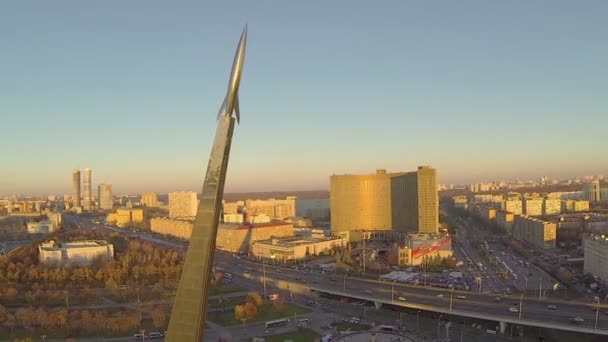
pixel 440 295
pixel 578 320
pixel 513 309
pixel 461 297
pixel 368 291
pixel 401 299
pixel 552 307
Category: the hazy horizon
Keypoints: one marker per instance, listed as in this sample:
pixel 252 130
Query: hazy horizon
pixel 480 91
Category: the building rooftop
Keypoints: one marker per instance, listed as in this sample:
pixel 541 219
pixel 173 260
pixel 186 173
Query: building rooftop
pixel 255 225
pixel 54 245
pixel 293 241
pixel 599 238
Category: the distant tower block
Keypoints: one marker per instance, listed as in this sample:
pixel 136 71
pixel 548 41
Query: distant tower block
pixel 76 188
pixel 87 198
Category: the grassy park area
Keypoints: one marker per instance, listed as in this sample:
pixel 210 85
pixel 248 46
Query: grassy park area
pixel 266 313
pixel 302 335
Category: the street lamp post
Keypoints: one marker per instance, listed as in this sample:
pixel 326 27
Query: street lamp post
pixel 597 312
pixel 393 291
pixel 344 284
pixel 418 322
pixel 264 275
pixel 521 305
pixel 364 252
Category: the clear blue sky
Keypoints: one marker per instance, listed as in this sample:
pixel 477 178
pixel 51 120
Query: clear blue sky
pixel 479 89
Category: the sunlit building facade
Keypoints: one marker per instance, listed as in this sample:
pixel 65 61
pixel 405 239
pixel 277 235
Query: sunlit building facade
pixel 76 188
pixel 125 217
pixel 182 204
pixel 538 232
pixel 87 196
pixel 104 193
pixel 596 254
pixel 78 252
pixel 149 199
pixel 384 201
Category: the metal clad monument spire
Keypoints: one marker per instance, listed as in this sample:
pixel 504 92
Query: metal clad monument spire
pixel 187 321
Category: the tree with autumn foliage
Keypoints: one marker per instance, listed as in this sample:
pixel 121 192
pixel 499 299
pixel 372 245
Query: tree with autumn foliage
pixel 159 318
pixel 255 298
pixel 239 312
pixel 251 310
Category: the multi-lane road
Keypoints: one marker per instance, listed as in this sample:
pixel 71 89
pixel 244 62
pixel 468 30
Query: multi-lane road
pixel 525 310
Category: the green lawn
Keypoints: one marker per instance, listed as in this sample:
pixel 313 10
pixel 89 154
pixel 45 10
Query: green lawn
pixel 302 335
pixel 230 301
pixel 223 289
pixel 266 313
pixel 343 326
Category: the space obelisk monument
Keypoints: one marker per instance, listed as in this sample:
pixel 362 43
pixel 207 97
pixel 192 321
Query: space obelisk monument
pixel 187 323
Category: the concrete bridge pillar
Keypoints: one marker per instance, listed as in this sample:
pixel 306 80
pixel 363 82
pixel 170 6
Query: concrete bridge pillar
pixel 503 327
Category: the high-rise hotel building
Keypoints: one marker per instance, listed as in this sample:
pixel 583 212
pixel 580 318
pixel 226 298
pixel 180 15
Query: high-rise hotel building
pixel 385 201
pixel 87 198
pixel 76 188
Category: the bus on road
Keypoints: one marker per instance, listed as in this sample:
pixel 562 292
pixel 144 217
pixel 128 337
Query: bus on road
pixel 276 323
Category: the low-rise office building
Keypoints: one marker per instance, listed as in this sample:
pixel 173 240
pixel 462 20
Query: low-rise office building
pixel 78 252
pixel 420 248
pixel 295 247
pixel 125 217
pixel 238 238
pixel 230 237
pixel 42 227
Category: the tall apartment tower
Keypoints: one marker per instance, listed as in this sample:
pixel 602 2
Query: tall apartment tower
pixel 384 201
pixel 149 199
pixel 182 204
pixel 104 193
pixel 87 198
pixel 591 191
pixel 76 188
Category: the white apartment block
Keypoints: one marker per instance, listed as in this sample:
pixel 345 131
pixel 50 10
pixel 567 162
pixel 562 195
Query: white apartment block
pixel 78 252
pixel 596 254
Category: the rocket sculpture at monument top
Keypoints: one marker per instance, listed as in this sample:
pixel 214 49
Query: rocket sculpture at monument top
pixel 187 322
pixel 231 101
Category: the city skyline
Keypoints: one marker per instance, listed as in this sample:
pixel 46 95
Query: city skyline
pixel 375 87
